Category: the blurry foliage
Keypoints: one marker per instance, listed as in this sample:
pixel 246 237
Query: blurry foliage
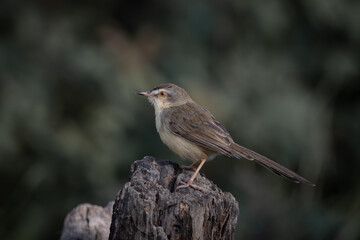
pixel 282 76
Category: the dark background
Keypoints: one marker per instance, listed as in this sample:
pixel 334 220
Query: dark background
pixel 282 76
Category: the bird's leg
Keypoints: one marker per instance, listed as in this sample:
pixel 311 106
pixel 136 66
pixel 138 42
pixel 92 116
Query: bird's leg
pixel 190 167
pixel 190 182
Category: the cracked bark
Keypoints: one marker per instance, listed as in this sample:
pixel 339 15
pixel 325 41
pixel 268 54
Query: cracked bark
pixel 148 208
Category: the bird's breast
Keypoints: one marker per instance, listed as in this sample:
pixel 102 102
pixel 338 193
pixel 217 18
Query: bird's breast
pixel 182 147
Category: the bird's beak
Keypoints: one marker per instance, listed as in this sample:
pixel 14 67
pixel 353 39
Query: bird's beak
pixel 145 93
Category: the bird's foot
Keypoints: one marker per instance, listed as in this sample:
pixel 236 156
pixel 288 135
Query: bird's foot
pixel 189 184
pixel 190 167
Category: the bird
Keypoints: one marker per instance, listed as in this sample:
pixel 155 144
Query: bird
pixel 193 133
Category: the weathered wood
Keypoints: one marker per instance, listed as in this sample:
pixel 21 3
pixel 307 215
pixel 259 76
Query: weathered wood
pixel 87 222
pixel 148 208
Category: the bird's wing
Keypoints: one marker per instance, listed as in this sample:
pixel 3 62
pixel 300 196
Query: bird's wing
pixel 196 124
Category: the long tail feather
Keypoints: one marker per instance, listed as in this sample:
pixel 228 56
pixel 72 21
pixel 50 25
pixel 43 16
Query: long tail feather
pixel 240 151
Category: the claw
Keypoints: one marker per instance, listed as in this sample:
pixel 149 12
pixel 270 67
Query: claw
pixel 190 167
pixel 188 184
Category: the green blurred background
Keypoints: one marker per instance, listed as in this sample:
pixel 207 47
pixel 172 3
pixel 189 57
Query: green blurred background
pixel 282 76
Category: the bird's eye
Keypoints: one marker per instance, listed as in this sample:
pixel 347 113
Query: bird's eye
pixel 162 93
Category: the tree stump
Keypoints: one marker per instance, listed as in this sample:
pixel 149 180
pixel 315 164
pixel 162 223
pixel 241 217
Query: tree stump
pixel 149 208
pixel 87 222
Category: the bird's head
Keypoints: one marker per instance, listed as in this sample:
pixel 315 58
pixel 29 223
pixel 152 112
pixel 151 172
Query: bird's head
pixel 166 95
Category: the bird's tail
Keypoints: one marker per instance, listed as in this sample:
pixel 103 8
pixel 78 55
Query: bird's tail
pixel 240 151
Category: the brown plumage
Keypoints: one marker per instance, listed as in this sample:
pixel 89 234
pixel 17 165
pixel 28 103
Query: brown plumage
pixel 192 132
